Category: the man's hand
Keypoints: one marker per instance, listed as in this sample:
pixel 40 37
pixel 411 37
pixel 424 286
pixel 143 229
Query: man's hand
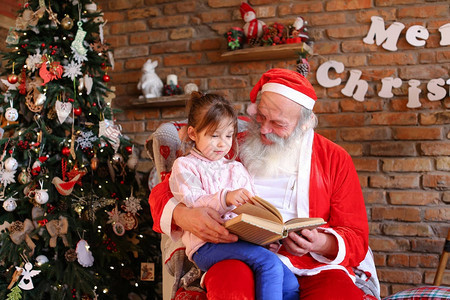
pixel 311 241
pixel 203 222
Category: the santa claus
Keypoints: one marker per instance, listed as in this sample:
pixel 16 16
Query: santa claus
pixel 304 175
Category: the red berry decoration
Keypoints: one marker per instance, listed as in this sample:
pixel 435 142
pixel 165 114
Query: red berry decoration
pixel 77 111
pixel 106 78
pixel 65 151
pixel 13 78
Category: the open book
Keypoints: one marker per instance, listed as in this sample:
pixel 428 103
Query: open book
pixel 261 223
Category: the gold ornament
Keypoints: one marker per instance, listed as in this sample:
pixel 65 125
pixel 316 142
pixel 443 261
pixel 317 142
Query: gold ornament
pixel 67 23
pixel 24 177
pixel 94 162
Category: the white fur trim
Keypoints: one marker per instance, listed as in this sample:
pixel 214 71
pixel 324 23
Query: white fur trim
pixel 290 93
pixel 251 109
pixel 166 220
pixel 341 249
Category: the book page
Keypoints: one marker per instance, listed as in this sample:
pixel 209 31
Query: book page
pixel 258 201
pixel 254 210
pixel 303 223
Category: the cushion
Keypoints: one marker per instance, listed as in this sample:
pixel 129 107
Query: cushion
pixel 229 280
pixel 422 293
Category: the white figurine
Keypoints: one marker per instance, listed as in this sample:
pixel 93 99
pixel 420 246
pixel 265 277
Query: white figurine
pixel 253 28
pixel 150 84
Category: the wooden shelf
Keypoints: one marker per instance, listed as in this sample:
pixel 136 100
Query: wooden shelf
pixel 266 52
pixel 165 101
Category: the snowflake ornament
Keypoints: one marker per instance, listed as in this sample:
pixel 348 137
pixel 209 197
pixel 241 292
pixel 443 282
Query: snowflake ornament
pixel 72 70
pixel 33 61
pixel 86 139
pixel 132 204
pixel 114 215
pixel 77 56
pixel 7 177
pixel 9 86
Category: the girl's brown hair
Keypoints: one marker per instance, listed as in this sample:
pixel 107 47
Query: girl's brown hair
pixel 206 111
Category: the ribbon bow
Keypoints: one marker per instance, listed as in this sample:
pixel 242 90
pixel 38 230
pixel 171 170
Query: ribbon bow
pixel 19 232
pixel 58 228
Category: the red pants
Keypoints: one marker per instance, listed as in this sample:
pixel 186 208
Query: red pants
pixel 232 279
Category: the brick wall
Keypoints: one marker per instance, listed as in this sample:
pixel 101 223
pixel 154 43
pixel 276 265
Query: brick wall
pixel 402 154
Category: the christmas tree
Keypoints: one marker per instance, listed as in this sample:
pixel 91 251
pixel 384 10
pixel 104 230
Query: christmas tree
pixel 73 223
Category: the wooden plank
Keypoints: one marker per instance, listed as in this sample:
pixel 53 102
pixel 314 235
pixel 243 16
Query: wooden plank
pixel 266 52
pixel 165 101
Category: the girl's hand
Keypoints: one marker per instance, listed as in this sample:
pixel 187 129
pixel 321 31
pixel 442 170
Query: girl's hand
pixel 238 197
pixel 274 247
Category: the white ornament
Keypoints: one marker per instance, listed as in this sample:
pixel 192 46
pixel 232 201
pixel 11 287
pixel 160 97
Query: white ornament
pixel 86 139
pixel 40 99
pixel 190 87
pixel 150 84
pixel 132 204
pixel 112 132
pixel 9 86
pixel 7 177
pixel 84 255
pixel 10 204
pixel 72 70
pixel 34 60
pixel 88 82
pixel 41 196
pixel 27 272
pixel 78 57
pixel 11 114
pixel 41 259
pixel 11 164
pixel 91 7
pixel 63 109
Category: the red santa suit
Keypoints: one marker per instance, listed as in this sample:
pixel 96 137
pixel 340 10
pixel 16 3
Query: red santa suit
pixel 325 185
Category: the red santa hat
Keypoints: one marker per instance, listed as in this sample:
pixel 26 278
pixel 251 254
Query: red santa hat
pixel 245 8
pixel 285 82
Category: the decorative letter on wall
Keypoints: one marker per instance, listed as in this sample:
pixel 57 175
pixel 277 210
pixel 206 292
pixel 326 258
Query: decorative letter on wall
pixel 436 90
pixel 445 34
pixel 387 84
pixel 322 73
pixel 415 32
pixel 378 31
pixel 353 82
pixel 413 94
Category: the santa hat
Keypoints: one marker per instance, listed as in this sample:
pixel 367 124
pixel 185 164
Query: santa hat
pixel 245 8
pixel 285 82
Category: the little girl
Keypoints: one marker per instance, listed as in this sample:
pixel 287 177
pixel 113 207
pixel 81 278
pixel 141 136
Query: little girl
pixel 205 178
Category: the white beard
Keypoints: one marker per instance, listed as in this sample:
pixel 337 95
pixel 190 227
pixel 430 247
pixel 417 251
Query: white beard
pixel 277 159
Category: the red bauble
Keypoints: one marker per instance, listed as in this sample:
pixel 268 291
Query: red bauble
pixel 129 149
pixel 65 151
pixel 106 78
pixel 13 78
pixel 77 111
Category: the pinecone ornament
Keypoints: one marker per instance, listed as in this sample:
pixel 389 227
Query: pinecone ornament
pixel 71 255
pixel 303 67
